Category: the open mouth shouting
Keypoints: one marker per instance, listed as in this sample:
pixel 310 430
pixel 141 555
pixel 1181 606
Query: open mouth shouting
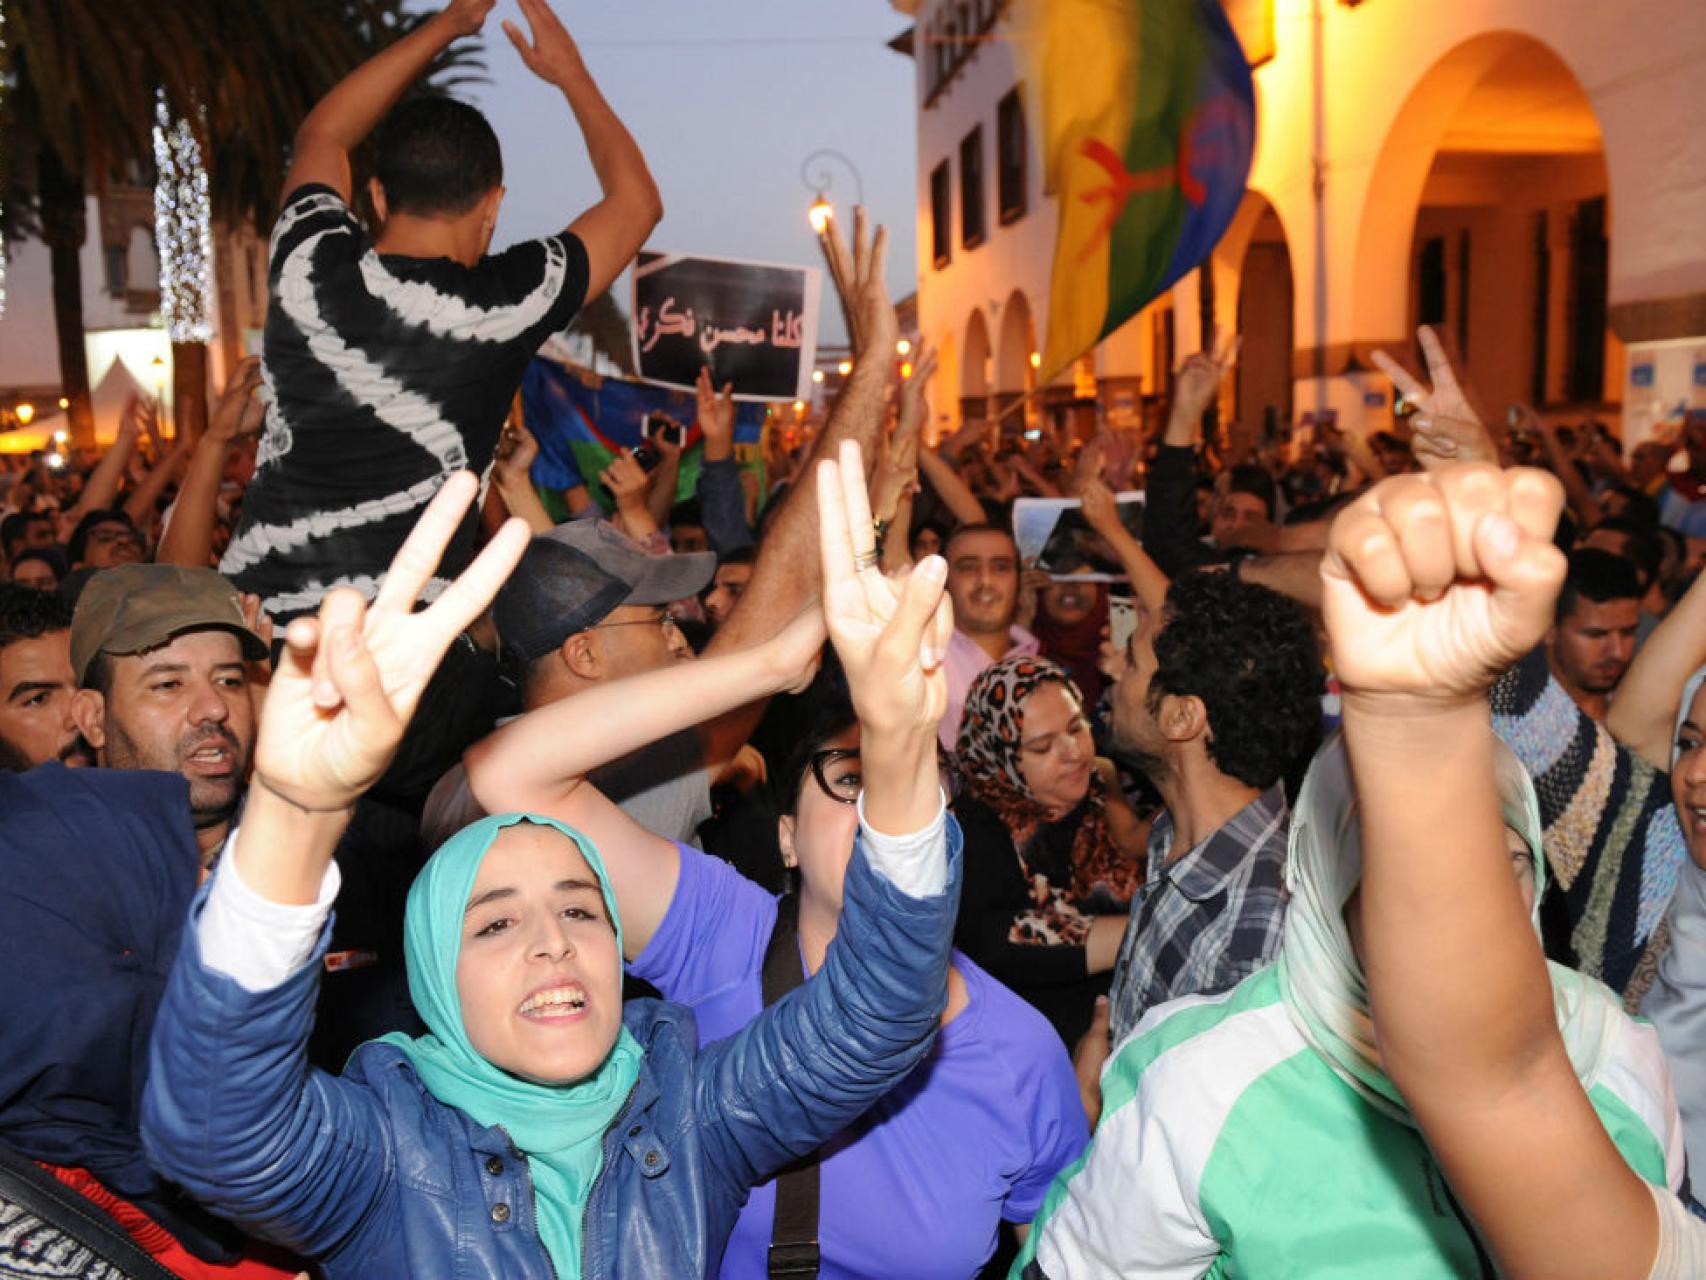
pixel 560 1002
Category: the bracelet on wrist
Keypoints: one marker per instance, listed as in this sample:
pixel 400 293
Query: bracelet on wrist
pixel 266 786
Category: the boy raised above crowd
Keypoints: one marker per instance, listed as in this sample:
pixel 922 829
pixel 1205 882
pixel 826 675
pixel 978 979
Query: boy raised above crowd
pixel 391 361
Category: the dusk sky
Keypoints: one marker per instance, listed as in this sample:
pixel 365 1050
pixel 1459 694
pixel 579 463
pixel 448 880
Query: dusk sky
pixel 726 97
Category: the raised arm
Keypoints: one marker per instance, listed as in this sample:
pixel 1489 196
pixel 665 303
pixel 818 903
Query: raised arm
pixel 1446 428
pixel 140 505
pixel 188 539
pixel 1433 585
pixel 785 575
pixel 1170 517
pixel 345 116
pixel 1292 573
pixel 1576 490
pixel 722 498
pixel 1643 714
pixel 539 762
pixel 512 475
pixel 1101 513
pixel 950 488
pixel 816 1059
pixel 615 228
pixel 100 490
pixel 232 1111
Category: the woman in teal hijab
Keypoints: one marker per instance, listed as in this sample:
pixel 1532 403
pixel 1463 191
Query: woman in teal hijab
pixel 555 1086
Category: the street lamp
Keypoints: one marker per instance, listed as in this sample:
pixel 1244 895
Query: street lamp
pixel 820 180
pixel 821 215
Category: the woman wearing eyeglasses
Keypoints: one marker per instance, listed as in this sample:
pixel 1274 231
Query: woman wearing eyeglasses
pixel 919 1186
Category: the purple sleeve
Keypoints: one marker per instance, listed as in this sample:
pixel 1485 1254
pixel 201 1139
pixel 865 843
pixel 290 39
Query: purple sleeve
pixel 712 937
pixel 1045 1091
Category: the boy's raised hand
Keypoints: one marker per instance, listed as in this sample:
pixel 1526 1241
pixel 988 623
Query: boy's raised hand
pixel 350 679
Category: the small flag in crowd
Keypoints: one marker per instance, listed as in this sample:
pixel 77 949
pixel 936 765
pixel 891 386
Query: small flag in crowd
pixel 1148 126
pixel 581 424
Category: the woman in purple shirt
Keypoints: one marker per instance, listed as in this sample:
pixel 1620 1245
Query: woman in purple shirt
pixel 919 1187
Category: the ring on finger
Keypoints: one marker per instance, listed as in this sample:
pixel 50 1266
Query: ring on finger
pixel 865 560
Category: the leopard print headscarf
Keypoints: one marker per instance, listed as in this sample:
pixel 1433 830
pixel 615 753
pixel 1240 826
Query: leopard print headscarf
pixel 988 757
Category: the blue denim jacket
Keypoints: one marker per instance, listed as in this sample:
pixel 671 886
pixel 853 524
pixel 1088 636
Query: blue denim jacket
pixel 370 1176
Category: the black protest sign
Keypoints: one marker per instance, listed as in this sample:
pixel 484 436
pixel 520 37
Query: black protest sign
pixel 753 323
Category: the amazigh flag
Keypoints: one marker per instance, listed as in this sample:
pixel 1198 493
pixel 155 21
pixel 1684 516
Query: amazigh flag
pixel 581 424
pixel 1148 125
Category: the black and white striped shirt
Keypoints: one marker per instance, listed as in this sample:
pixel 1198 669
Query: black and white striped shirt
pixel 385 374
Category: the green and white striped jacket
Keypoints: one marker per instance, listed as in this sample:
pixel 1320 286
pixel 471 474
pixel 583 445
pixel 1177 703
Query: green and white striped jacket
pixel 1228 1147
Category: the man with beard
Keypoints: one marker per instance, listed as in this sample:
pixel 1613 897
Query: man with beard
pixel 1220 697
pixel 36 683
pixel 160 654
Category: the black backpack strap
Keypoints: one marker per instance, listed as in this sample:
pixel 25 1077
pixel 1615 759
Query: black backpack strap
pixel 793 1232
pixel 88 1236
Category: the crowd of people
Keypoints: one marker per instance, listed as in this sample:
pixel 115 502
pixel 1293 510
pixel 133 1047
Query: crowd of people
pixel 799 882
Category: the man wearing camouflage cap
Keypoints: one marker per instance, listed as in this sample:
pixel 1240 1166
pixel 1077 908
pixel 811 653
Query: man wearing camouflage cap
pixel 161 654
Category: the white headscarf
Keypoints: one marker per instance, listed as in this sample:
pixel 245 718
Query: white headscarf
pixel 1322 982
pixel 1676 1002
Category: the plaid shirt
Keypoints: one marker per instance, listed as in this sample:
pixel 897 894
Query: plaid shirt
pixel 1209 920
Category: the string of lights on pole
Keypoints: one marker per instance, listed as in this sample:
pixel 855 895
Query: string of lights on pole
pixel 2 156
pixel 183 227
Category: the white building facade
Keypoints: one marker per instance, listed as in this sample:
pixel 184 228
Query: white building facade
pixel 1528 175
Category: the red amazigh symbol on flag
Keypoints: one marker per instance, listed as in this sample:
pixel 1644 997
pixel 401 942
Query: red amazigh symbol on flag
pixel 1123 184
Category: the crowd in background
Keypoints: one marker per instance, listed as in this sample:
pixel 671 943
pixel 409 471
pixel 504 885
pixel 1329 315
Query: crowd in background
pixel 794 875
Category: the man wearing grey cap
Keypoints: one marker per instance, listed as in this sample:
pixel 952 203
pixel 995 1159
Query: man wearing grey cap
pixel 160 654
pixel 584 606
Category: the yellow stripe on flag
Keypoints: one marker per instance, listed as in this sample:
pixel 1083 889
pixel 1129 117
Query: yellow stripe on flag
pixel 1083 55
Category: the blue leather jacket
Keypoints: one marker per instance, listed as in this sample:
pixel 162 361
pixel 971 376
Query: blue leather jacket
pixel 371 1176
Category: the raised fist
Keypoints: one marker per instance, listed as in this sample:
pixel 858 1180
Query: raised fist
pixel 1434 584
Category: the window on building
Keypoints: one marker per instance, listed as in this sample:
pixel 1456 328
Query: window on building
pixel 952 37
pixel 941 214
pixel 1430 282
pixel 971 189
pixel 1590 260
pixel 1463 290
pixel 117 263
pixel 1538 390
pixel 1012 147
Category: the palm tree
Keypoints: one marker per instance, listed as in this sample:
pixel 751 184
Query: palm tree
pixel 80 110
pixel 81 72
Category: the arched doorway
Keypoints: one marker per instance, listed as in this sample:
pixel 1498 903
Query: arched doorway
pixel 1015 376
pixel 1488 218
pixel 1263 381
pixel 974 370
